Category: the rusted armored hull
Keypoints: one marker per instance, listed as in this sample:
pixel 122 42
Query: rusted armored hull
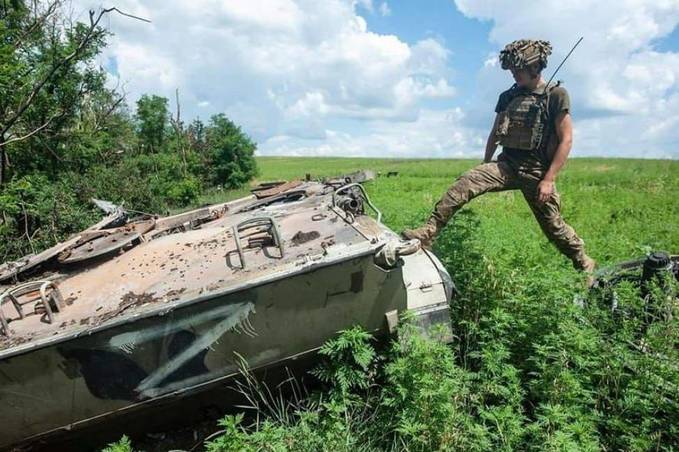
pixel 180 325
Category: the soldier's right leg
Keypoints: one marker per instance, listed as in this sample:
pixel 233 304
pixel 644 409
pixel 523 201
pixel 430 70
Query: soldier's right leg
pixel 562 235
pixel 494 176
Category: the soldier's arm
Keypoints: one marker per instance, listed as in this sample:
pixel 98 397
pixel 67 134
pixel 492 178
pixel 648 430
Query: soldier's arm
pixel 491 143
pixel 564 132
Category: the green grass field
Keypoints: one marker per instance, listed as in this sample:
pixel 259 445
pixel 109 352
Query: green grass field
pixel 621 208
pixel 529 369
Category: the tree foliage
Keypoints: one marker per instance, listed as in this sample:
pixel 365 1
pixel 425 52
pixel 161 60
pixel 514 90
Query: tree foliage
pixel 232 154
pixel 66 136
pixel 152 121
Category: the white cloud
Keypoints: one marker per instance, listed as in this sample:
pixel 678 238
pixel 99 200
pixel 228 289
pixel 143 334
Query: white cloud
pixel 434 133
pixel 278 67
pixel 625 93
pixel 367 4
pixel 305 77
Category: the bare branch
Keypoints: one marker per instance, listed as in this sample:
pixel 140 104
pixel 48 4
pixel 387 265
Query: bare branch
pixel 28 135
pixel 176 123
pixel 89 36
pixel 109 111
pixel 51 151
pixel 176 94
pixel 129 15
pixel 38 22
pixel 28 236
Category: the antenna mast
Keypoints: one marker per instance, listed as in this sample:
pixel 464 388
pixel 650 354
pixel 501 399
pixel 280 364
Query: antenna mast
pixel 562 62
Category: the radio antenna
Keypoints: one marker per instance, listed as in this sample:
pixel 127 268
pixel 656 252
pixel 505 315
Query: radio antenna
pixel 562 62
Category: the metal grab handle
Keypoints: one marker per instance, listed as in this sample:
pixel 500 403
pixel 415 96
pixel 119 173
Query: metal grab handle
pixel 253 223
pixel 365 196
pixel 25 288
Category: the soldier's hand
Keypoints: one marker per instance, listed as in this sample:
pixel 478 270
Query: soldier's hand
pixel 545 190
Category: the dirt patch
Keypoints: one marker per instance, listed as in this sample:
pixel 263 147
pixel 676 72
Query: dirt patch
pixel 132 299
pixel 174 294
pixel 69 301
pixel 13 341
pixel 129 300
pixel 210 244
pixel 303 237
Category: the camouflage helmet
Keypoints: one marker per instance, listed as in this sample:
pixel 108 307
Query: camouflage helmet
pixel 524 52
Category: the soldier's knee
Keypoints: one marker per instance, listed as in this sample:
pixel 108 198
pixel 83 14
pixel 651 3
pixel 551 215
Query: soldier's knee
pixel 462 190
pixel 456 197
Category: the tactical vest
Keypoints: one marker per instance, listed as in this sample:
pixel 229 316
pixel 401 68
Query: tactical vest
pixel 523 124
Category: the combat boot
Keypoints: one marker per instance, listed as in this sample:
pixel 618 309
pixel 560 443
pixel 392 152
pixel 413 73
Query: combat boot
pixel 587 265
pixel 425 234
pixel 584 263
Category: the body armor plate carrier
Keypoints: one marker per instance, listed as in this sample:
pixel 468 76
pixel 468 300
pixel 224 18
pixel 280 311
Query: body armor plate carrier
pixel 523 124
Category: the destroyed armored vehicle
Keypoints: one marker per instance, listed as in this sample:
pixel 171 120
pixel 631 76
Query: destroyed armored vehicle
pixel 641 272
pixel 133 312
pixel 658 271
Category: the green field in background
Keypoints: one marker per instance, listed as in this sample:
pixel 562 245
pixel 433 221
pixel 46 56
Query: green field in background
pixel 621 208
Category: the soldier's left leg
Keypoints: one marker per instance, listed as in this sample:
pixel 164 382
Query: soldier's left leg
pixel 484 178
pixel 562 235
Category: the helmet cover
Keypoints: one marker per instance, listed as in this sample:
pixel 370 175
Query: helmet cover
pixel 522 53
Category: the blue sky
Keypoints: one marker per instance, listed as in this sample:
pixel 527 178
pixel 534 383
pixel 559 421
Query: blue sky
pixel 413 21
pixel 669 43
pixel 400 78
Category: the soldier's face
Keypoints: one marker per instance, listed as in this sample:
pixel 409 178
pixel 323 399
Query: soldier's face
pixel 521 76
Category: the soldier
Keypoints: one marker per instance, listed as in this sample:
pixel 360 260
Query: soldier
pixel 533 125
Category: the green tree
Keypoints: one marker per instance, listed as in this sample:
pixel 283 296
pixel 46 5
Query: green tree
pixel 47 76
pixel 232 153
pixel 196 136
pixel 65 136
pixel 152 122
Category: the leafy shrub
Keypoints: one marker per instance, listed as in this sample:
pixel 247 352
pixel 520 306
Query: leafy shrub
pixel 349 361
pixel 122 445
pixel 232 161
pixel 184 192
pixel 425 398
pixel 37 212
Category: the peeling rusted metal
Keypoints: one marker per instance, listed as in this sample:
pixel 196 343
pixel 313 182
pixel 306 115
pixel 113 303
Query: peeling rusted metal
pixel 11 270
pixel 276 189
pixel 99 246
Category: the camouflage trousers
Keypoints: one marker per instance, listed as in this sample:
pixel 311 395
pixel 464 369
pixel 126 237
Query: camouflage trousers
pixel 500 176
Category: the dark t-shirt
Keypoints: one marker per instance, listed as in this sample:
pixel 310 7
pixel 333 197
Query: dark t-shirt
pixel 536 161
